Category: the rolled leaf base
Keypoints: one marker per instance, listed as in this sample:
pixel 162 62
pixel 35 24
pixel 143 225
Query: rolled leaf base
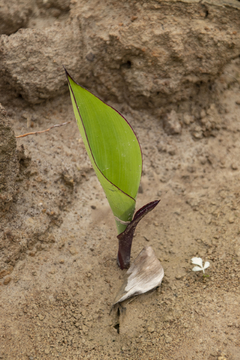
pixel 126 237
pixel 124 252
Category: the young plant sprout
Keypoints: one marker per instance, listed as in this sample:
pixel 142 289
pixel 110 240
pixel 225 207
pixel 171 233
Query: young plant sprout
pixel 198 261
pixel 116 157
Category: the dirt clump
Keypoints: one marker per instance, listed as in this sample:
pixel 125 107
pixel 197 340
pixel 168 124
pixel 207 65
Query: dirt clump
pixel 14 16
pixel 156 54
pixel 8 161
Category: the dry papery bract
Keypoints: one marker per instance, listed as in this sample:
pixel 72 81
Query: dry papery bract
pixel 145 274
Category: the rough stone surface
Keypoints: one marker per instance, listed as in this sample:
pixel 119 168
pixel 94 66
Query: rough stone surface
pixel 14 15
pixel 63 5
pixel 171 123
pixel 148 54
pixel 32 61
pixel 8 161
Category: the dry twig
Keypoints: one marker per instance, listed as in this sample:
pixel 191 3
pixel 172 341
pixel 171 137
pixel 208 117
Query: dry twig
pixel 42 131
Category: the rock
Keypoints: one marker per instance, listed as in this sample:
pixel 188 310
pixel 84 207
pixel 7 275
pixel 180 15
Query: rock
pixel 211 121
pixel 171 124
pixel 197 132
pixel 14 15
pixel 63 5
pixel 234 166
pixel 188 119
pixel 7 280
pixel 146 60
pixel 168 339
pixel 231 220
pixel 41 317
pixel 8 162
pixel 151 60
pixel 31 61
pixel 151 328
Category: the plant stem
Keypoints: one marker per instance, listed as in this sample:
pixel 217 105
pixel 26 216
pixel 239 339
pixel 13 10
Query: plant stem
pixel 126 237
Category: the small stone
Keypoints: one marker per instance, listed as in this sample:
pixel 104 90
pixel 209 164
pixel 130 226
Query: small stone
pixel 41 317
pixel 178 277
pixel 172 151
pixel 234 166
pixel 7 280
pixel 197 134
pixel 202 160
pixel 168 339
pixel 191 169
pixel 188 119
pixel 73 251
pixel 151 329
pixel 90 57
pixel 55 13
pixel 231 220
pixel 171 124
pixel 4 273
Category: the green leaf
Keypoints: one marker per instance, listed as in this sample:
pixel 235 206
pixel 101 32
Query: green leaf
pixel 113 149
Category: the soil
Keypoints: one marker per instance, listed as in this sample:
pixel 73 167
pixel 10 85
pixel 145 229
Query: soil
pixel 58 269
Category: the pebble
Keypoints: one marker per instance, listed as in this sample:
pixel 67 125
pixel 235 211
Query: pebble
pixel 234 166
pixel 188 119
pixel 231 220
pixel 202 160
pixel 168 339
pixel 73 250
pixel 172 151
pixel 197 134
pixel 3 273
pixel 179 277
pixel 7 280
pixel 171 124
pixel 41 317
pixel 151 329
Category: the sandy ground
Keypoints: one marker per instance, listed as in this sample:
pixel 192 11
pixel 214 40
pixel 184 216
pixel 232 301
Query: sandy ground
pixel 56 301
pixel 58 248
